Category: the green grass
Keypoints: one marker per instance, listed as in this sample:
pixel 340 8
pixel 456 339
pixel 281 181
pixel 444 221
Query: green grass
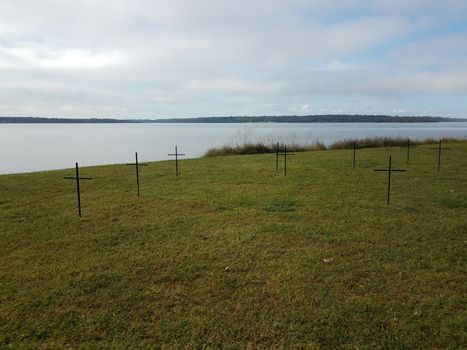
pixel 229 255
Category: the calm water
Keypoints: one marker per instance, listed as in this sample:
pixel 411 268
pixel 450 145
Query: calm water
pixel 33 147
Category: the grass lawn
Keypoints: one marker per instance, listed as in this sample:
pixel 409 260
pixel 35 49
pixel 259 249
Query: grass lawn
pixel 229 255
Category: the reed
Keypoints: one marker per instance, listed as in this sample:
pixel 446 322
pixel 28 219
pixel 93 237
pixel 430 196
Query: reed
pixel 261 147
pixel 370 142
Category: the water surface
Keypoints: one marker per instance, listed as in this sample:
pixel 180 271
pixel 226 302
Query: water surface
pixel 34 147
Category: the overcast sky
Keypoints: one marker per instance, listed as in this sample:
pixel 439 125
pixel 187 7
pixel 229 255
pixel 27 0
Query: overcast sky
pixel 188 58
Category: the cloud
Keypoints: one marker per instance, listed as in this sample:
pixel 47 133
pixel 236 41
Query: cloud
pixel 154 58
pixel 431 53
pixel 332 65
pixel 233 86
pixel 26 57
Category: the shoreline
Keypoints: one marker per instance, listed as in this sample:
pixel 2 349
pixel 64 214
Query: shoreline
pixel 263 148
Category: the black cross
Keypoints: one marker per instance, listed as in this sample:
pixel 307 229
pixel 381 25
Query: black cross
pixel 137 165
pixel 77 178
pixel 389 170
pixel 285 154
pixel 176 154
pixel 439 148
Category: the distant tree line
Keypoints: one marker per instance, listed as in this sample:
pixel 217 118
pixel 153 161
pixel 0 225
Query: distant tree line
pixel 39 120
pixel 330 118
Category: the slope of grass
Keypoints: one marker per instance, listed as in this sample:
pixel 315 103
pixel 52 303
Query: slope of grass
pixel 230 255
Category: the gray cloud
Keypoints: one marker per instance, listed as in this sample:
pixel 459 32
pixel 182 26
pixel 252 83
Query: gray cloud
pixel 187 58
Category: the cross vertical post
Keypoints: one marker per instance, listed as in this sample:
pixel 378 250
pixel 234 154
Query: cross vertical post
pixel 285 153
pixel 408 151
pixel 285 160
pixel 439 155
pixel 78 190
pixel 354 148
pixel 408 146
pixel 277 158
pixel 137 165
pixel 176 160
pixel 439 148
pixel 389 178
pixel 176 154
pixel 137 172
pixel 390 170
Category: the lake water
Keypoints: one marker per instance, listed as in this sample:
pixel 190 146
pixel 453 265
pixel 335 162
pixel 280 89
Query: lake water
pixel 34 147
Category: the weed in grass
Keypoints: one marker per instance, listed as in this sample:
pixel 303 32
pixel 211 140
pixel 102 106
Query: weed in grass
pixel 281 205
pixel 454 200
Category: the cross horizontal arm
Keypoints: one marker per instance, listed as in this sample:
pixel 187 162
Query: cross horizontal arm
pixel 140 164
pixel 74 178
pixel 388 170
pixel 178 154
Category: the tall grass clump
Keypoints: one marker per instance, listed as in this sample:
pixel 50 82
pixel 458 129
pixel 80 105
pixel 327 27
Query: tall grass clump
pixel 375 142
pixel 370 142
pixel 261 147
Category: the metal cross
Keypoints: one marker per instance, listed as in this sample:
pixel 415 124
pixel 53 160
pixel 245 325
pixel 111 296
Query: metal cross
pixel 176 154
pixel 389 170
pixel 137 165
pixel 285 154
pixel 77 178
pixel 439 148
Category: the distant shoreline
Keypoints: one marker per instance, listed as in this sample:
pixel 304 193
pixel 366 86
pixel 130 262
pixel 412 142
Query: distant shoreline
pixel 240 120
